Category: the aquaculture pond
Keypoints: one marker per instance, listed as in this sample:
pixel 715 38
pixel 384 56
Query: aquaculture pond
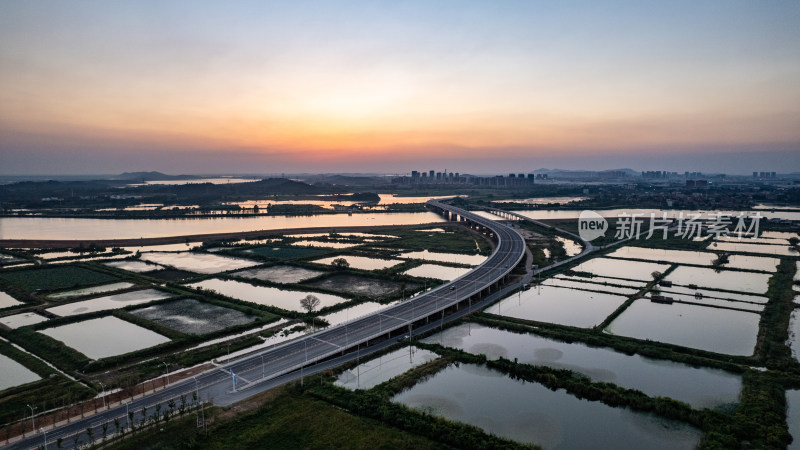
pixel 13 373
pixel 279 274
pixel 794 335
pixel 437 271
pixel 193 316
pixel 672 256
pixel 91 290
pixel 713 329
pixel 571 247
pixel 618 268
pixel 731 280
pixel 324 244
pixel 7 300
pixel 375 288
pixel 603 280
pixel 749 262
pixel 558 305
pixel 588 285
pixel 362 262
pixel 700 387
pixel 793 417
pixel 455 258
pixel 383 368
pixel 109 302
pixel 262 295
pixel 716 294
pixel 354 312
pixel 22 319
pixel 199 262
pixel 531 413
pixel 104 337
pixel 781 250
pixel 713 302
pixel 132 265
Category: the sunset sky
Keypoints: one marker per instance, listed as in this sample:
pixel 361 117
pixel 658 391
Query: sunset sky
pixel 391 86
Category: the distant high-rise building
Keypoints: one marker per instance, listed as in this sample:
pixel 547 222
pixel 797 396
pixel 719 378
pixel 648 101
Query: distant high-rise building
pixel 755 174
pixel 430 174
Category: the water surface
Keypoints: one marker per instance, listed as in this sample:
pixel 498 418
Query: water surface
pixel 700 387
pixel 7 300
pixel 455 258
pixel 558 305
pixel 104 337
pixel 133 265
pixel 22 319
pixel 618 268
pixel 531 413
pixel 88 229
pixel 262 295
pixel 92 290
pixel 731 280
pixel 713 329
pixel 193 316
pixel 279 274
pixel 794 335
pixel 109 302
pixel 383 368
pixel 793 417
pixel 362 262
pixel 13 373
pixel 199 262
pixel 437 271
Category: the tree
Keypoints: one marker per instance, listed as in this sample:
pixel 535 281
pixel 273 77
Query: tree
pixel 656 275
pixel 116 425
pixel 309 303
pixel 340 264
pixel 90 433
pixel 60 443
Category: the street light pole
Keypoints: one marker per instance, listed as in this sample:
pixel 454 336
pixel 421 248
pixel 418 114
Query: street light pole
pixel 45 437
pixel 127 416
pixel 263 374
pixel 166 371
pixel 33 422
pixel 103 394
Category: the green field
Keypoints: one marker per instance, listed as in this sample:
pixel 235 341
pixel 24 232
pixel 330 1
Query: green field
pixel 54 278
pixel 288 421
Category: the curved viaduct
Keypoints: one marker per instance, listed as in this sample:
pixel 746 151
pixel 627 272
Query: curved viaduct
pixel 237 379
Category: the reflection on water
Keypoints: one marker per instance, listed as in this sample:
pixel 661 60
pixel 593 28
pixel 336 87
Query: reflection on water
pixel 109 302
pixel 104 337
pixel 88 229
pixel 437 271
pixel 383 368
pixel 92 290
pixel 617 268
pixel 192 316
pixel 13 373
pixel 571 247
pixel 279 274
pixel 22 319
pixel 362 262
pixel 586 283
pixel 754 248
pixel 713 329
pixel 794 335
pixel 284 299
pixel 542 200
pixel 7 300
pixel 531 413
pixel 455 258
pixel 558 305
pixel 132 265
pixel 700 387
pixel 793 417
pixel 354 312
pixel 199 262
pixel 754 283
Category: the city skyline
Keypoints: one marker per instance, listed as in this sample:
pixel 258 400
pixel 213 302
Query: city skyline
pixel 382 87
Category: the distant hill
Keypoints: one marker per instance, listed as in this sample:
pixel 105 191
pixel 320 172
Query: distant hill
pixel 152 176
